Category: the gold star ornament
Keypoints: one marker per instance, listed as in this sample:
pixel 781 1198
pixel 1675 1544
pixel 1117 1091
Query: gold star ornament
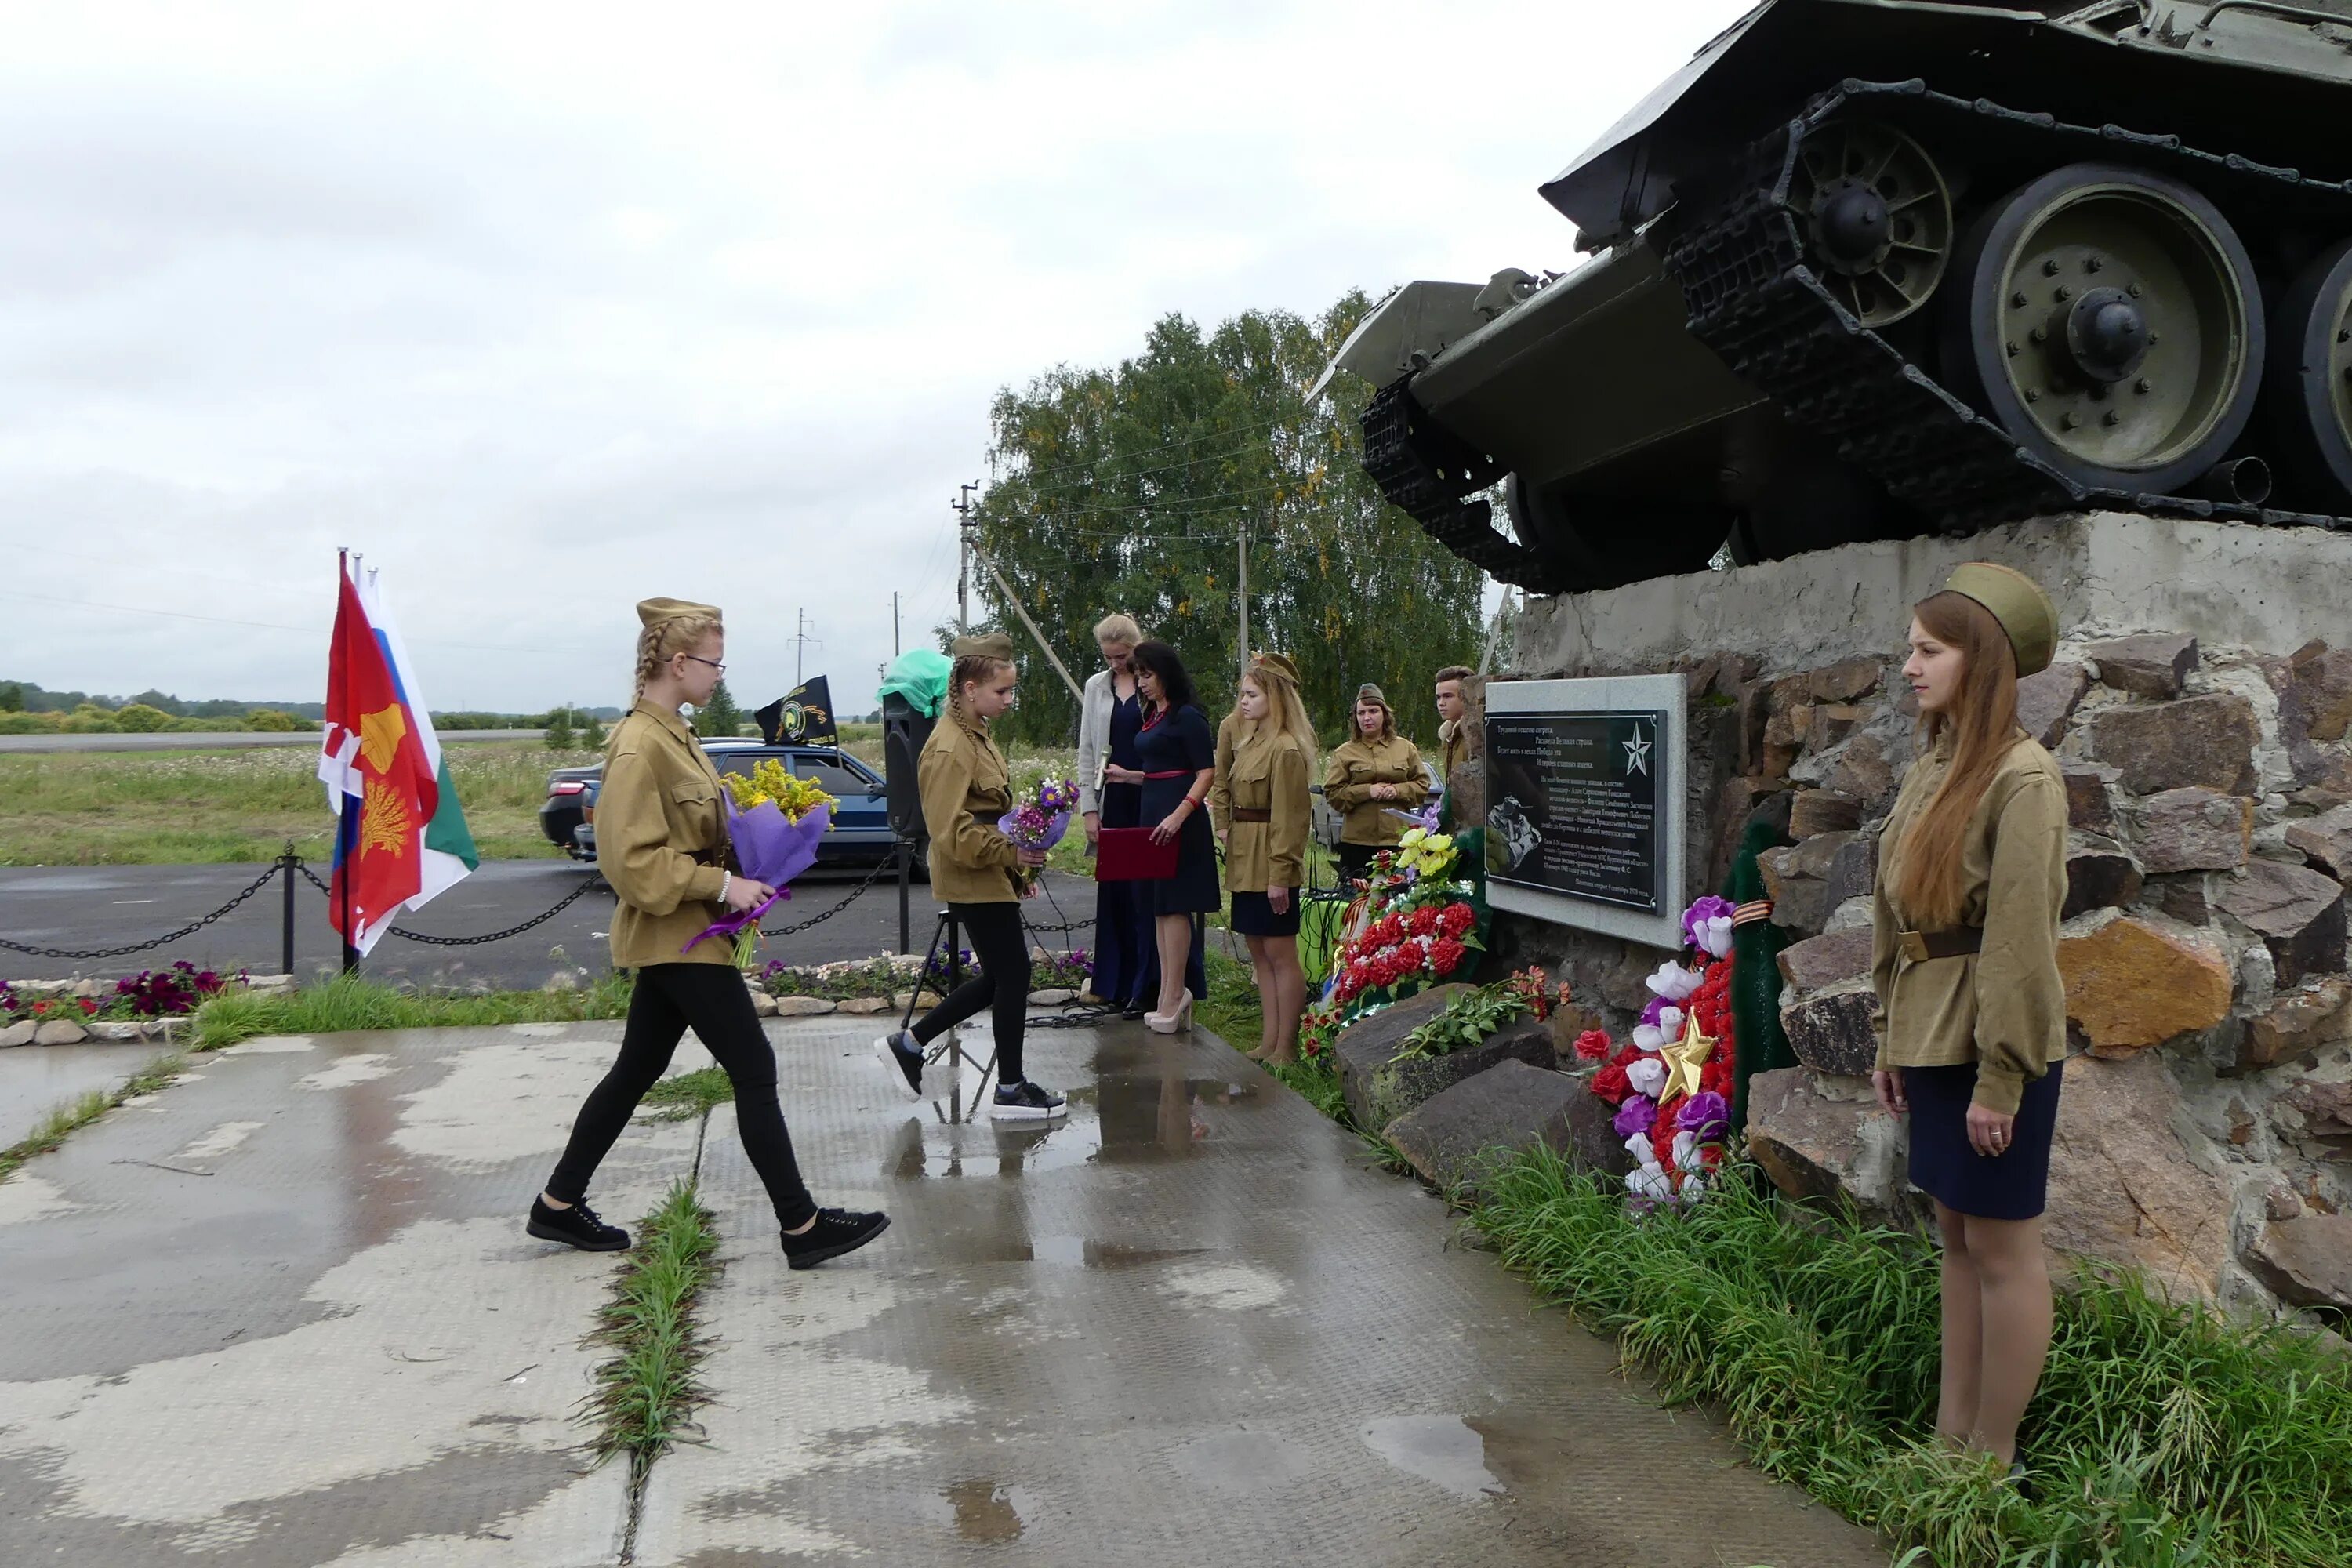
pixel 1683 1057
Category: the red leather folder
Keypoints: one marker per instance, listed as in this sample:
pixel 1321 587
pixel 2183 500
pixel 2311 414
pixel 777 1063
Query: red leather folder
pixel 1127 855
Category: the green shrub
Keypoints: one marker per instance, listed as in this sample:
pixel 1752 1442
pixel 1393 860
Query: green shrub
pixel 21 723
pixel 139 719
pixel 276 721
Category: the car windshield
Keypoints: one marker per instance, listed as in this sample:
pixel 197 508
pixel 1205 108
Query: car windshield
pixel 828 775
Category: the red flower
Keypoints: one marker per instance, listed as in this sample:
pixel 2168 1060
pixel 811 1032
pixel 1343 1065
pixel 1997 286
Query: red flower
pixel 1423 921
pixel 1456 918
pixel 1610 1084
pixel 1446 955
pixel 1662 1135
pixel 1628 1055
pixel 87 1005
pixel 1592 1045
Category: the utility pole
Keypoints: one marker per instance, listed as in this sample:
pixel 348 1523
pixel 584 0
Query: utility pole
pixel 895 648
pixel 962 506
pixel 1241 537
pixel 801 639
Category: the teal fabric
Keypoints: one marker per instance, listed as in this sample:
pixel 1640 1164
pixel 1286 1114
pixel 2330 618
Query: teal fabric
pixel 921 675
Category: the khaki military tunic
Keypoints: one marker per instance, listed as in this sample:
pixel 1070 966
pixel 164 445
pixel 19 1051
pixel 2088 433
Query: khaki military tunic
pixel 1267 778
pixel 2003 1008
pixel 965 788
pixel 661 840
pixel 1347 784
pixel 1219 795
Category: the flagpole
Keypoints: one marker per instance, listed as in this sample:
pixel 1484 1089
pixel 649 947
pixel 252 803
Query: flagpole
pixel 350 868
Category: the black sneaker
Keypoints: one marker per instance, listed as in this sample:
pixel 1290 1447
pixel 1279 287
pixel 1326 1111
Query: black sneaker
pixel 575 1226
pixel 903 1059
pixel 1026 1102
pixel 837 1231
pixel 1133 1010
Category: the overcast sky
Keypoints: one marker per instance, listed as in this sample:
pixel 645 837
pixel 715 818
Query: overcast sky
pixel 550 308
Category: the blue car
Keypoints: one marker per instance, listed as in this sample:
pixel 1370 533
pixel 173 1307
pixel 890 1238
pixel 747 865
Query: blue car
pixel 861 824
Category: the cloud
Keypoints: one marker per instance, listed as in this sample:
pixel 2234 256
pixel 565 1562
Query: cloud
pixel 551 307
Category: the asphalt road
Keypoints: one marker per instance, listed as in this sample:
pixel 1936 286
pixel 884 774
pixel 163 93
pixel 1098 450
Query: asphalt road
pixel 82 907
pixel 210 740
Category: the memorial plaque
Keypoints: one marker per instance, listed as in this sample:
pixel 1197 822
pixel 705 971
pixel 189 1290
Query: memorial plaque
pixel 1585 802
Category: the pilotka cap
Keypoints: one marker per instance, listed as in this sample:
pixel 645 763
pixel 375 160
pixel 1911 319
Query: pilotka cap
pixel 1277 663
pixel 653 612
pixel 1369 692
pixel 988 645
pixel 2017 603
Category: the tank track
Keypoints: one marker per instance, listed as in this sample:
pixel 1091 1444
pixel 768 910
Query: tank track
pixel 1426 471
pixel 1753 299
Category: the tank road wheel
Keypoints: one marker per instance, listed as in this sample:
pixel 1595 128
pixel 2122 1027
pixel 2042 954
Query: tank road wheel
pixel 1877 217
pixel 2108 319
pixel 1593 544
pixel 2311 378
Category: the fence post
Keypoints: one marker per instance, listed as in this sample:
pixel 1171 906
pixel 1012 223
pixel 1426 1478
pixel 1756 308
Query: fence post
pixel 285 864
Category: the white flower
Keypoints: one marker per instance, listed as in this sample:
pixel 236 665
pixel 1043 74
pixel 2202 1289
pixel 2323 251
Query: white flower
pixel 1670 1022
pixel 1647 1076
pixel 1648 1036
pixel 1672 982
pixel 1715 935
pixel 1694 1187
pixel 1685 1142
pixel 1639 1147
pixel 1650 1182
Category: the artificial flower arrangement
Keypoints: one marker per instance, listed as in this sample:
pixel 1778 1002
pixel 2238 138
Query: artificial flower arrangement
pixel 774 820
pixel 1040 822
pixel 1671 1086
pixel 1413 926
pixel 1473 1015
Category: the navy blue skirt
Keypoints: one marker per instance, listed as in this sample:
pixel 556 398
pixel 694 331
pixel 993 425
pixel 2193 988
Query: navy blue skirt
pixel 1253 915
pixel 2014 1185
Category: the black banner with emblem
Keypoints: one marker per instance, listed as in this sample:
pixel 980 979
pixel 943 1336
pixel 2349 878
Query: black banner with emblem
pixel 802 716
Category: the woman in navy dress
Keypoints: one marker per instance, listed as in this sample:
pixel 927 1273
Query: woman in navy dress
pixel 1123 925
pixel 1178 752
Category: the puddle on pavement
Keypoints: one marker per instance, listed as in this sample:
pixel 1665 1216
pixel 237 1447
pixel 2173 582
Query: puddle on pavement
pixel 1232 1463
pixel 1077 1252
pixel 984 1511
pixel 1119 1120
pixel 1442 1450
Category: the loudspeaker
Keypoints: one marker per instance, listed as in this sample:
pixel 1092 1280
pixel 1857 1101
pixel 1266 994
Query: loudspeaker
pixel 904 730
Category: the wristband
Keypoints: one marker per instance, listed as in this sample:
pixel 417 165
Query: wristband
pixel 726 880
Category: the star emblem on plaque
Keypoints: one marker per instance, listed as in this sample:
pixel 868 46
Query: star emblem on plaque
pixel 1637 754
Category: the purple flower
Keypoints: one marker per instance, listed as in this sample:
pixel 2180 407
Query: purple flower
pixel 1706 1117
pixel 1706 925
pixel 1638 1114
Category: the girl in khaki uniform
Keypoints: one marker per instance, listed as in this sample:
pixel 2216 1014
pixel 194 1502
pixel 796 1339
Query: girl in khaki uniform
pixel 662 844
pixel 1971 880
pixel 1375 772
pixel 1267 805
pixel 981 875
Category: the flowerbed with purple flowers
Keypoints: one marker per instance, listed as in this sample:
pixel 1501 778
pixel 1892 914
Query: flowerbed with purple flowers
pixel 168 993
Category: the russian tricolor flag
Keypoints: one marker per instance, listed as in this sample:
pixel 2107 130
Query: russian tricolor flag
pixel 400 834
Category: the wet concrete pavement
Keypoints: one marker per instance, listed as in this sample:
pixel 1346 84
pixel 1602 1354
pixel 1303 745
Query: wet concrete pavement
pixel 1192 1324
pixel 36 1079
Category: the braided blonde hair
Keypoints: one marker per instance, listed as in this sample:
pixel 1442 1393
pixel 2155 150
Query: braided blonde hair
pixel 972 669
pixel 665 640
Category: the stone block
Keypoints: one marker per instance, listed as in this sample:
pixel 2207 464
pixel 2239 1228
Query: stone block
pixel 1831 1030
pixel 1450 1137
pixel 60 1032
pixel 1380 1086
pixel 2152 666
pixel 2046 701
pixel 1865 772
pixel 805 1007
pixel 866 1006
pixel 2325 841
pixel 1832 723
pixel 1795 882
pixel 1820 962
pixel 923 1003
pixel 1847 680
pixel 2099 874
pixel 2298 912
pixel 2306 1261
pixel 2313 1014
pixel 2179 896
pixel 1592 1139
pixel 1735 801
pixel 1844 1151
pixel 2131 983
pixel 2195 829
pixel 2315 693
pixel 1782 742
pixel 1819 811
pixel 117 1030
pixel 2325 1110
pixel 2197 741
pixel 2087 805
pixel 19 1033
pixel 2126 1187
pixel 1853 871
pixel 1052 997
pixel 763 1005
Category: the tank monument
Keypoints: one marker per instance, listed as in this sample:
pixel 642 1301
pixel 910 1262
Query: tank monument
pixel 1875 286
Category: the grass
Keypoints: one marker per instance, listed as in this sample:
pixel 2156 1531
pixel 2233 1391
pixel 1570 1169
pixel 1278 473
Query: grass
pixel 352 1002
pixel 690 1094
pixel 646 1393
pixel 74 1114
pixel 2163 1436
pixel 67 808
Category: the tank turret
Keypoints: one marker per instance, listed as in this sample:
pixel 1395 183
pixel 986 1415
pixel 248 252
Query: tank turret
pixel 1869 268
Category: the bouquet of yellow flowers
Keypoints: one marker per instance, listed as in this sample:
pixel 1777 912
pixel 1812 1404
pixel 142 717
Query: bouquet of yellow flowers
pixel 769 784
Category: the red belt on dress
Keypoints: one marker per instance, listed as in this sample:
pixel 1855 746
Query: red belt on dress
pixel 1174 773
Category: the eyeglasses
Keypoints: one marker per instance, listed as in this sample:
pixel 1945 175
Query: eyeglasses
pixel 711 662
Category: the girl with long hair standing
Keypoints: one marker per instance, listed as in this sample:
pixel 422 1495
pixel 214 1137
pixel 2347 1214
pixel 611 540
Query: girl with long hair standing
pixel 1180 758
pixel 1971 879
pixel 982 875
pixel 1374 772
pixel 661 839
pixel 1268 808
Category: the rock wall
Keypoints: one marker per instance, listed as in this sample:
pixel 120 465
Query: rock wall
pixel 2201 705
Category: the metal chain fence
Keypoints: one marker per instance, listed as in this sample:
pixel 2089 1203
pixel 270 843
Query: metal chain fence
pixel 189 929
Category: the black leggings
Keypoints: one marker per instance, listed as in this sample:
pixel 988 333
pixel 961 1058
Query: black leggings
pixel 713 998
pixel 1001 944
pixel 1356 860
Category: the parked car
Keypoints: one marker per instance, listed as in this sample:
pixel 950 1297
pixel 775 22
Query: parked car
pixel 861 824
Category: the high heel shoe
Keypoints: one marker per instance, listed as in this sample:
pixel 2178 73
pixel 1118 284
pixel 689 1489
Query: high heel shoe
pixel 1169 1023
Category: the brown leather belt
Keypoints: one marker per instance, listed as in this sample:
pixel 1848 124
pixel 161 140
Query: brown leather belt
pixel 1919 946
pixel 1250 813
